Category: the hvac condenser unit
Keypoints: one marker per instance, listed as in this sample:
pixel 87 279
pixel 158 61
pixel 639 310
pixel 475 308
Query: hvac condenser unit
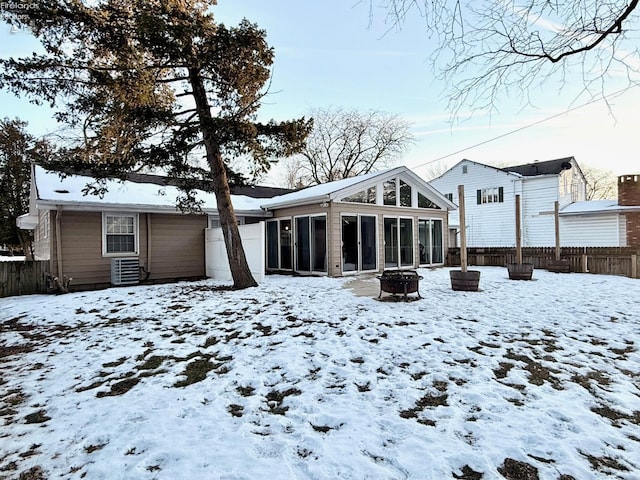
pixel 125 271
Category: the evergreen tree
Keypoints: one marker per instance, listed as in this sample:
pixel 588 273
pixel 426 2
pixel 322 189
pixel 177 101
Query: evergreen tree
pixel 155 84
pixel 18 149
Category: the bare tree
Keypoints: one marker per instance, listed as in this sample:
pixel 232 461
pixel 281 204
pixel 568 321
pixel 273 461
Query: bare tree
pixel 486 48
pixel 601 183
pixel 347 143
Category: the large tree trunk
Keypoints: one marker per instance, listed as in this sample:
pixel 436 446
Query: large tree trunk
pixel 242 277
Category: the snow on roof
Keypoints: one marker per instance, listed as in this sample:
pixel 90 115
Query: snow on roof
pixel 325 189
pixel 594 206
pixel 68 191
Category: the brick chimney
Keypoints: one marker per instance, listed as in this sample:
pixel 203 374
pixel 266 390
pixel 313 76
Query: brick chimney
pixel 629 195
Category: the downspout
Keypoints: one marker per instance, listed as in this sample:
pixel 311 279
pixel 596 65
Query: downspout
pixel 148 221
pixel 59 241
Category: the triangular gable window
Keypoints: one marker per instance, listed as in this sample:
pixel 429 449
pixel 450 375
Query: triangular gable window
pixel 424 202
pixel 365 196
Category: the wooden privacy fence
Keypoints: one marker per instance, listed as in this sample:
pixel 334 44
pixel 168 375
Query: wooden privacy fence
pixel 623 261
pixel 23 278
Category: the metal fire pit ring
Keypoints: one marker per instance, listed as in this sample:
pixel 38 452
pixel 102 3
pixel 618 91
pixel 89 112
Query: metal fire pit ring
pixel 399 282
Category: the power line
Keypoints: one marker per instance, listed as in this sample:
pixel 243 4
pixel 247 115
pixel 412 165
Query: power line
pixel 614 94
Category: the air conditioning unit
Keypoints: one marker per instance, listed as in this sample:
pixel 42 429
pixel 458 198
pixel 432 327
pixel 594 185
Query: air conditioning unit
pixel 125 271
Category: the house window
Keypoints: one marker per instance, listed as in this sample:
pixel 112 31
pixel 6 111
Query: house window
pixel 464 169
pixel 214 221
pixel 44 229
pixel 490 195
pixel 405 194
pixel 449 196
pixel 424 202
pixel 389 192
pixel 120 234
pixel 365 196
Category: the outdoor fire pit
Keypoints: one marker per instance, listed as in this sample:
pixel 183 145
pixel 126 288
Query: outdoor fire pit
pixel 399 282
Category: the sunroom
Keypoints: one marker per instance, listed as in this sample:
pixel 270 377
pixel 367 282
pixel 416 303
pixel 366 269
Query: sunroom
pixel 384 220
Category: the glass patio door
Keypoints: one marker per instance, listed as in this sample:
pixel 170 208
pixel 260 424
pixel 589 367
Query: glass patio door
pixel 398 242
pixel 359 244
pixel 311 244
pixel 430 241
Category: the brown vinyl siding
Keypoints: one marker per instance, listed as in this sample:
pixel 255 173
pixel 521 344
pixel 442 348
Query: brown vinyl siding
pixel 82 248
pixel 334 226
pixel 177 245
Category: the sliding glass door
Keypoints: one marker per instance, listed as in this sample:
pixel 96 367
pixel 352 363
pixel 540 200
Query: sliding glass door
pixel 398 242
pixel 430 241
pixel 359 243
pixel 311 244
pixel 303 248
pixel 279 245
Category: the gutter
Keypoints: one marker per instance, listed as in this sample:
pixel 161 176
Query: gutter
pixel 325 198
pixel 134 208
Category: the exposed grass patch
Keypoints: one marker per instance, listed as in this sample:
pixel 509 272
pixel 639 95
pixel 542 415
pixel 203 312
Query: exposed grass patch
pixel 245 391
pixel 602 464
pixel 276 398
pixel 115 363
pixel 615 416
pixel 196 371
pixel 152 362
pixel 363 388
pixel 538 373
pixel 515 470
pixel 428 401
pixel 235 410
pixel 587 380
pixel 93 448
pixel 34 473
pixel 120 388
pixel 468 473
pixel 37 417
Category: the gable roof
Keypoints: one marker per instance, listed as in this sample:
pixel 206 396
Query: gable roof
pixel 466 160
pixel 253 191
pixel 339 188
pixel 52 190
pixel 549 167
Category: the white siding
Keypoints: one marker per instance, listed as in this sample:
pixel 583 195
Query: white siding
pixel 539 195
pixel 591 231
pixel 489 224
pixel 622 229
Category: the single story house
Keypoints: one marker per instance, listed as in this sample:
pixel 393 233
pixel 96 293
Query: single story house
pixel 134 232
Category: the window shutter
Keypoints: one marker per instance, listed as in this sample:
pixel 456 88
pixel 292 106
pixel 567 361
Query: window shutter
pixel 479 196
pixel 501 194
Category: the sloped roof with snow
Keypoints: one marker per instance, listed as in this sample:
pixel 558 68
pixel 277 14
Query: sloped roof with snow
pixel 334 190
pixel 55 190
pixel 591 207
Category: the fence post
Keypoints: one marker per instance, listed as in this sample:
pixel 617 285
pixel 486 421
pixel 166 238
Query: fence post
pixel 634 266
pixel 585 263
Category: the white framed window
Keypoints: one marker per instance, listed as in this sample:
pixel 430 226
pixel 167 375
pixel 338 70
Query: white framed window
pixel 44 230
pixel 490 195
pixel 119 234
pixel 214 221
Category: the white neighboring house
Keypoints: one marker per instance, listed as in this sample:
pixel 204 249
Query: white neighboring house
pixel 490 205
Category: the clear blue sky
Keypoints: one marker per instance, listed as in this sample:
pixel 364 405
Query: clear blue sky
pixel 329 54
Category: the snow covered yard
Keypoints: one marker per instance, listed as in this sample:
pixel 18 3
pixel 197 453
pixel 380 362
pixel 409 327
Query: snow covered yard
pixel 300 379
